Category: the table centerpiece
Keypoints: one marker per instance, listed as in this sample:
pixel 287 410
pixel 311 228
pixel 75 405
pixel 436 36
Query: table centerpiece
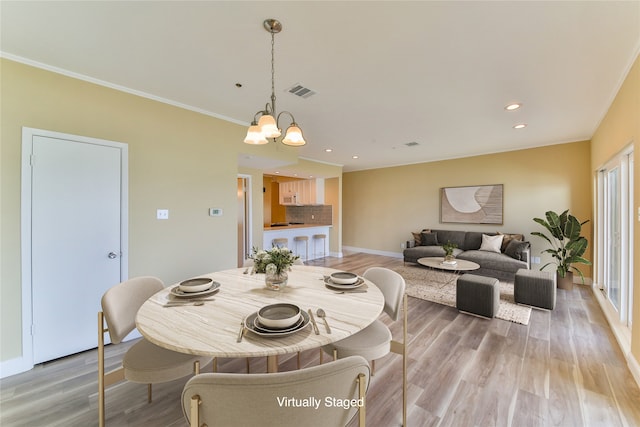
pixel 275 263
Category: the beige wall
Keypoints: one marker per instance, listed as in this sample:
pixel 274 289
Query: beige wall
pixel 382 206
pixel 179 160
pixel 620 127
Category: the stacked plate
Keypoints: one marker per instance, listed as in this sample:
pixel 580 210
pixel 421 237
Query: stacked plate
pixel 277 320
pixel 343 280
pixel 197 287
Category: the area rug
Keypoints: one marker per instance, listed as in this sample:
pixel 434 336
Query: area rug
pixel 440 287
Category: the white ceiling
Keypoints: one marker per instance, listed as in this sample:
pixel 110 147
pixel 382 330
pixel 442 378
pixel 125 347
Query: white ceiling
pixel 385 73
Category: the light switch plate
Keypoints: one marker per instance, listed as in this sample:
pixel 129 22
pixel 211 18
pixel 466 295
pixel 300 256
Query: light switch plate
pixel 162 213
pixel 215 212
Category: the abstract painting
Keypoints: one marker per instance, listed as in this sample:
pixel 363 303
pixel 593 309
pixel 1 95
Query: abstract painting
pixel 480 204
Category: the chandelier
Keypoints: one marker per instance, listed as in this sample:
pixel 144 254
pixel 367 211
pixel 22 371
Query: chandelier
pixel 265 123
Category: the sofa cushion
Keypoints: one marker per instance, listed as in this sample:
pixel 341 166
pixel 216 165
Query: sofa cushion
pixel 515 248
pixel 509 237
pixel 493 261
pixel 472 240
pixel 429 239
pixel 417 236
pixel 452 236
pixel 491 243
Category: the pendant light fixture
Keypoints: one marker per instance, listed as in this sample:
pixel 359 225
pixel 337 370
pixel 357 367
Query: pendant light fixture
pixel 265 122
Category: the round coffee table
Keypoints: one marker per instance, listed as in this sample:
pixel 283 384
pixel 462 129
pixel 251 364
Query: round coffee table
pixel 438 263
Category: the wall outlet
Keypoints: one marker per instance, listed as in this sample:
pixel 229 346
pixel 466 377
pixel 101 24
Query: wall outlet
pixel 401 245
pixel 162 214
pixel 535 260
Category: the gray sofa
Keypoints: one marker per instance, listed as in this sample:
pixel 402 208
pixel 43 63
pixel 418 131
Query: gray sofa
pixel 514 253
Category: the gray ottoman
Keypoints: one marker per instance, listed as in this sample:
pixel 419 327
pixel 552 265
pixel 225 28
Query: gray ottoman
pixel 535 288
pixel 478 295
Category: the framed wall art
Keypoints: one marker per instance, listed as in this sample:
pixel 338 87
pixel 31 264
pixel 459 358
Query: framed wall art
pixel 480 204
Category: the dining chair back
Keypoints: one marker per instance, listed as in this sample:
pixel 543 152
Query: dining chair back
pixel 376 340
pixel 392 286
pixel 312 396
pixel 143 362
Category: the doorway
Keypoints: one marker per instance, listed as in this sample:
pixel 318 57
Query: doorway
pixel 615 228
pixel 244 218
pixel 74 238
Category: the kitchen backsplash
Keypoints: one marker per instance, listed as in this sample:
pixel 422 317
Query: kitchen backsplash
pixel 320 214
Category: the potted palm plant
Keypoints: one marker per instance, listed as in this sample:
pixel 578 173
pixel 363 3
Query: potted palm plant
pixel 567 245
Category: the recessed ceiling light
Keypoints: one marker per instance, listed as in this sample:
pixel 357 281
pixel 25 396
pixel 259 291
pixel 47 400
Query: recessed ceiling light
pixel 277 172
pixel 328 150
pixel 513 106
pixel 354 157
pixel 520 126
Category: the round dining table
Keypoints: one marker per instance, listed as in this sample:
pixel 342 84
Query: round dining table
pixel 213 328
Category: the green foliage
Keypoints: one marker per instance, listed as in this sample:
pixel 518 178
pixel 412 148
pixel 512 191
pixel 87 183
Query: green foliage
pixel 448 248
pixel 276 259
pixel 567 245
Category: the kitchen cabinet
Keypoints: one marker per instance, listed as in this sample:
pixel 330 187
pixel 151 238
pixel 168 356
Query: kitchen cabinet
pixel 302 192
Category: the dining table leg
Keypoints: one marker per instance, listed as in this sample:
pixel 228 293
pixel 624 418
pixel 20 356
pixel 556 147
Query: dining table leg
pixel 272 363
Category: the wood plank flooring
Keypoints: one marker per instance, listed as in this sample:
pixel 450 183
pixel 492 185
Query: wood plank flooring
pixel 563 369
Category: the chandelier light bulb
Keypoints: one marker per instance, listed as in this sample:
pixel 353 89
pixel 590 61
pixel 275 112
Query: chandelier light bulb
pixel 294 136
pixel 255 136
pixel 268 126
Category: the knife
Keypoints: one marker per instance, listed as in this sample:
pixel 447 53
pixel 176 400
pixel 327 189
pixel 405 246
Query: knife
pixel 313 322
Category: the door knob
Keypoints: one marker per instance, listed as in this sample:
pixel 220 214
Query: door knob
pixel 112 255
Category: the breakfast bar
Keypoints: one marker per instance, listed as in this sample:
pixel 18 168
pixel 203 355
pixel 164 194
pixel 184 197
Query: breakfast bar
pixel 317 248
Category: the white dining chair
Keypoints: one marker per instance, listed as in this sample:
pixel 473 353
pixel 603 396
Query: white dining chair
pixel 144 362
pixel 376 340
pixel 229 400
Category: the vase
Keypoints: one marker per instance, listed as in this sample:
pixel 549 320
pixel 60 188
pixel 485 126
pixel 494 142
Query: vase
pixel 449 258
pixel 276 281
pixel 565 282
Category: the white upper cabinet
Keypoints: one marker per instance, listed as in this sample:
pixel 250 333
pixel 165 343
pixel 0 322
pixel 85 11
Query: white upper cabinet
pixel 302 192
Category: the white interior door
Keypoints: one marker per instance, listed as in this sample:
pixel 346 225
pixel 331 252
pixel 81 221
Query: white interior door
pixel 76 247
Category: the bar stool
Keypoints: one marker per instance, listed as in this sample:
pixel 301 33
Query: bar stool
pixel 304 239
pixel 317 237
pixel 281 242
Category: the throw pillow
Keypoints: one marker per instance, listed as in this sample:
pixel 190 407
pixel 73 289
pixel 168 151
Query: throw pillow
pixel 491 243
pixel 417 236
pixel 507 238
pixel 515 249
pixel 429 239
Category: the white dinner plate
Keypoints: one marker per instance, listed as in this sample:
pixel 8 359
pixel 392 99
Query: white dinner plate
pixel 250 324
pixel 262 328
pixel 176 291
pixel 331 284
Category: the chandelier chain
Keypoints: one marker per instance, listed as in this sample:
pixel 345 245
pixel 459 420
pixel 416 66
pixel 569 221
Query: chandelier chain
pixel 273 73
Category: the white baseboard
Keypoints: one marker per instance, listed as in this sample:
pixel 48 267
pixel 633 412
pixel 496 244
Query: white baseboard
pixel 14 366
pixel 373 251
pixel 634 367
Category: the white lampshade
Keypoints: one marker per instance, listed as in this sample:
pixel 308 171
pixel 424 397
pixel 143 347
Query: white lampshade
pixel 268 126
pixel 254 136
pixel 294 136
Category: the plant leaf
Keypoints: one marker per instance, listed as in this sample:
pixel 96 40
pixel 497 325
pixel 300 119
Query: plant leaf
pixel 555 227
pixel 572 228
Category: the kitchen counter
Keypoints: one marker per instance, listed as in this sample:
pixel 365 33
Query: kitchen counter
pixel 317 247
pixel 292 226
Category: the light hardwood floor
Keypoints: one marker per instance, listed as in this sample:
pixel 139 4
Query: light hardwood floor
pixel 563 369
